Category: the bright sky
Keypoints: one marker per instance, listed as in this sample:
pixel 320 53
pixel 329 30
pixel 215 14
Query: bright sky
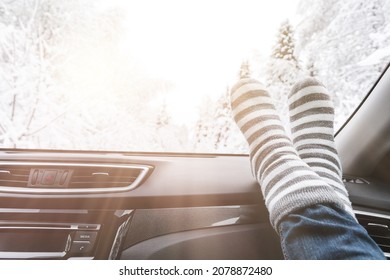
pixel 199 45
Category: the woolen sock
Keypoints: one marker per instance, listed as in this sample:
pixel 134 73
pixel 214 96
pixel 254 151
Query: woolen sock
pixel 312 117
pixel 287 183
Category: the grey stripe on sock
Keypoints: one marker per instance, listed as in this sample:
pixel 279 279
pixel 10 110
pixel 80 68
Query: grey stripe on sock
pixel 265 141
pixel 266 152
pixel 316 136
pixel 315 146
pixel 249 95
pixel 329 158
pixel 323 165
pixel 308 98
pixel 312 124
pixel 315 111
pixel 252 109
pixel 263 130
pixel 295 180
pixel 279 177
pixel 245 127
pixel 329 176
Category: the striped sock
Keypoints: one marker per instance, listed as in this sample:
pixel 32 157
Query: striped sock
pixel 287 183
pixel 311 117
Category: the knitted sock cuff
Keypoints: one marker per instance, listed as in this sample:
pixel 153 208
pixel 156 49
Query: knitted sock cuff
pixel 304 198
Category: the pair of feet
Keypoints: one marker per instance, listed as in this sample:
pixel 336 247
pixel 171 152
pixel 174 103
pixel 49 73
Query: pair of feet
pixel 292 174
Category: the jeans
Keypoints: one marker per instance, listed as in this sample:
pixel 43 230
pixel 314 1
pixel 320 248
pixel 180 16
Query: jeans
pixel 326 232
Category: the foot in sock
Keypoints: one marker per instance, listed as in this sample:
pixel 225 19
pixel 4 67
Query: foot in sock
pixel 311 117
pixel 287 183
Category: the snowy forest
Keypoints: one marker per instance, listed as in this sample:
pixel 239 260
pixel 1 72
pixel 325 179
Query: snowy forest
pixel 56 95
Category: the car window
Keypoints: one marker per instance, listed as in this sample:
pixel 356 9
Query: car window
pixel 156 75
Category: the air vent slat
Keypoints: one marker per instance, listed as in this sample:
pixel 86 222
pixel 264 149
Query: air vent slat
pixel 13 183
pixel 13 180
pixel 99 184
pixel 23 177
pixel 377 226
pixel 381 240
pixel 16 171
pixel 109 180
pixel 104 178
pixel 14 177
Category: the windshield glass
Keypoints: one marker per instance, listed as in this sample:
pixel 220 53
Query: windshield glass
pixel 155 75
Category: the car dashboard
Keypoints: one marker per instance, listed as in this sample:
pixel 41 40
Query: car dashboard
pixel 78 205
pixel 96 205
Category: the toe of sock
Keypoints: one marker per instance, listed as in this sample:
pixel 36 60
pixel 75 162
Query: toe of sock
pixel 307 82
pixel 243 82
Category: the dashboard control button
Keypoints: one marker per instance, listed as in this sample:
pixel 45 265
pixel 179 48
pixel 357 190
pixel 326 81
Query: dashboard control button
pixel 81 247
pixel 49 177
pixel 82 227
pixel 85 236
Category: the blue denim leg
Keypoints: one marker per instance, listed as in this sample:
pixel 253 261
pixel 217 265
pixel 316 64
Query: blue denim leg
pixel 325 232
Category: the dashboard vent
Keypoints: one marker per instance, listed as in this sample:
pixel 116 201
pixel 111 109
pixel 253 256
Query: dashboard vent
pixel 378 227
pixel 103 177
pixel 14 176
pixel 68 178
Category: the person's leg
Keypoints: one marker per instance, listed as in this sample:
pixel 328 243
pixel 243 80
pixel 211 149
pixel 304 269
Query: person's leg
pixel 306 211
pixel 312 118
pixel 287 183
pixel 327 233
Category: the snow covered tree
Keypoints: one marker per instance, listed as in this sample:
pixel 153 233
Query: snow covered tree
pixel 283 65
pixel 341 38
pixel 282 68
pixel 203 136
pixel 215 130
pixel 26 82
pixel 163 117
pixel 245 70
pixel 223 120
pixel 284 48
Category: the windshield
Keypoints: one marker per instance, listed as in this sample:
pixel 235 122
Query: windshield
pixel 155 75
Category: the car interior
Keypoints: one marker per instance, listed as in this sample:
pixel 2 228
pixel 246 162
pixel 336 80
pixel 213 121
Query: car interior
pixel 137 206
